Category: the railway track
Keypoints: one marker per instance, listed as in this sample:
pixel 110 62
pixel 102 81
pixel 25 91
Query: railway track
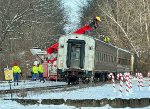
pixel 61 87
pixel 8 91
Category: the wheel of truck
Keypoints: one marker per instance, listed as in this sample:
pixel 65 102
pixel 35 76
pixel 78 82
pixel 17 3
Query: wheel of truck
pixel 103 77
pixel 96 80
pixel 68 81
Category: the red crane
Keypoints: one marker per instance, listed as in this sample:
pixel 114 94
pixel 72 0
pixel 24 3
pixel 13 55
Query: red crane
pixel 88 27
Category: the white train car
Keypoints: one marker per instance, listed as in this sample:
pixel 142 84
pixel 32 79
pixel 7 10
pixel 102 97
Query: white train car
pixel 82 56
pixel 73 52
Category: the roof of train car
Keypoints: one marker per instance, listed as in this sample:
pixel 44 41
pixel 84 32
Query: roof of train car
pixel 110 44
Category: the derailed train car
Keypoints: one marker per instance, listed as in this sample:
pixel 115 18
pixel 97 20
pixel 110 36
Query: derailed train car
pixel 81 57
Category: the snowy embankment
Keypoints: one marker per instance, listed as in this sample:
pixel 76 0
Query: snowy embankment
pixel 93 96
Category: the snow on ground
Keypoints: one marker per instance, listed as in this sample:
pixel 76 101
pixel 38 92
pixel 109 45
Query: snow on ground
pixel 97 92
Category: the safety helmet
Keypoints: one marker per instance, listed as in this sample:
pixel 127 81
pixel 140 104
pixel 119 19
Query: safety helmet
pixel 98 18
pixel 35 63
pixel 15 63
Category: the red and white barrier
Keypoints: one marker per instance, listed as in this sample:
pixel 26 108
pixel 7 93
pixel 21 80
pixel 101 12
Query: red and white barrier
pixel 130 83
pixel 120 77
pixel 138 77
pixel 140 80
pixel 126 76
pixel 148 75
pixel 111 75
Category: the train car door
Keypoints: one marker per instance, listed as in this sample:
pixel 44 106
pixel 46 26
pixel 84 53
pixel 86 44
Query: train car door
pixel 75 53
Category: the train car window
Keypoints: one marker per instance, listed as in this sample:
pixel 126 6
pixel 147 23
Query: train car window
pixel 90 47
pixel 112 59
pixel 123 61
pixel 100 56
pixel 104 57
pixel 77 53
pixel 108 58
pixel 61 46
pixel 96 56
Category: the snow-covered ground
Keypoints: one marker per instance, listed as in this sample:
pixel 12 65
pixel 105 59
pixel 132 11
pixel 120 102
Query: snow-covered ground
pixel 97 92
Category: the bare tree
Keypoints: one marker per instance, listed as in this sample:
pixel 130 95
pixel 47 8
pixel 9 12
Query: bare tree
pixel 12 12
pixel 25 24
pixel 127 22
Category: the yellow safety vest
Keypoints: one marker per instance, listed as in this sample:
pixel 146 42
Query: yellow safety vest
pixel 107 39
pixel 16 69
pixel 35 69
pixel 41 70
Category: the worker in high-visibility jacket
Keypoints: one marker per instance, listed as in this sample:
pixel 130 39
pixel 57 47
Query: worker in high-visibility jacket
pixel 16 72
pixel 107 39
pixel 35 72
pixel 41 70
pixel 95 22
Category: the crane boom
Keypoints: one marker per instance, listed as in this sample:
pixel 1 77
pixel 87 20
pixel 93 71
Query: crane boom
pixel 82 30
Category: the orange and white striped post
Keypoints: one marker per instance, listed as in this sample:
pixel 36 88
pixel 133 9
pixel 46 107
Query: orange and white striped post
pixel 111 75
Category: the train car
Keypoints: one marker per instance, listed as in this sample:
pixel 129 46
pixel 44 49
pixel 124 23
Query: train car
pixel 81 57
